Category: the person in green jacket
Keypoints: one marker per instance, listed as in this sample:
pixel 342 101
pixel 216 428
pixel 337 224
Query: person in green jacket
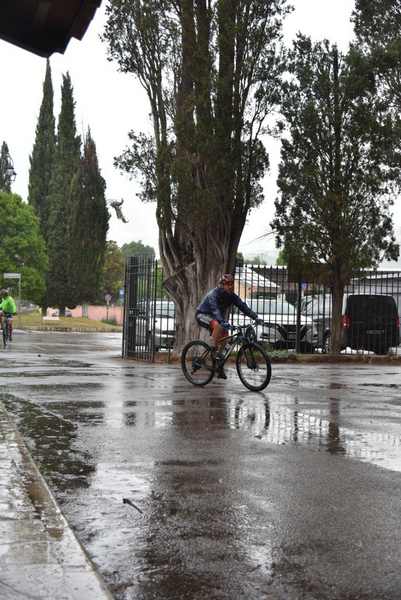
pixel 8 309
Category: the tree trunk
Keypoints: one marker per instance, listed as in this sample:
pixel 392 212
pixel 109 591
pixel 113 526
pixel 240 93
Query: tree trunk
pixel 337 295
pixel 187 286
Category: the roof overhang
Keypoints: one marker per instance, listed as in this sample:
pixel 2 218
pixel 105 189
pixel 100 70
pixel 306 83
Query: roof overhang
pixel 45 26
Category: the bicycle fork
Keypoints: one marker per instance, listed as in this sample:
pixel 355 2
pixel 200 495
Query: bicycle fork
pixel 250 359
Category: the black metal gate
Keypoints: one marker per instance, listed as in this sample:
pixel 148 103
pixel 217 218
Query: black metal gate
pixel 149 315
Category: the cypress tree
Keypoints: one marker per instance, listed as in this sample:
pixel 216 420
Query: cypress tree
pixel 66 164
pixel 6 169
pixel 41 160
pixel 87 227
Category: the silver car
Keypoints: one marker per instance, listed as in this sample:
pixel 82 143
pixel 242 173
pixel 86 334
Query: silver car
pixel 280 324
pixel 155 325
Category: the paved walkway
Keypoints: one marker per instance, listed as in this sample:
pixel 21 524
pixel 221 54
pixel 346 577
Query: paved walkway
pixel 40 557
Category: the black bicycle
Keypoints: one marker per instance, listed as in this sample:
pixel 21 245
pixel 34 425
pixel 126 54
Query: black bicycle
pixel 199 362
pixel 6 330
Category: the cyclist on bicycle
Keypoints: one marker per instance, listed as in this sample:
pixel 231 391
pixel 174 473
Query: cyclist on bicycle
pixel 213 310
pixel 8 310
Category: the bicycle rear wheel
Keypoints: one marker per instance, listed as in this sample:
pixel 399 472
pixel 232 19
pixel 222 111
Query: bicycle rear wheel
pixel 197 362
pixel 5 332
pixel 253 367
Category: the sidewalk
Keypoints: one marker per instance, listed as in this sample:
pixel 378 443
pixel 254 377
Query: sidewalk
pixel 40 557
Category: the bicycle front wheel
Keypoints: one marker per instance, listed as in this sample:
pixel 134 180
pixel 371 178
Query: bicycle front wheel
pixel 253 367
pixel 5 333
pixel 197 362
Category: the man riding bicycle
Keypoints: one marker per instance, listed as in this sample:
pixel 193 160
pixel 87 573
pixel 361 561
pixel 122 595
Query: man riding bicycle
pixel 8 310
pixel 213 310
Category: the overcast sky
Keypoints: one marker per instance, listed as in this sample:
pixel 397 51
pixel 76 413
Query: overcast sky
pixel 112 103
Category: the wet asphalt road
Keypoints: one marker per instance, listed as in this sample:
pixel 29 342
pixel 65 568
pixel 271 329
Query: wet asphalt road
pixel 216 493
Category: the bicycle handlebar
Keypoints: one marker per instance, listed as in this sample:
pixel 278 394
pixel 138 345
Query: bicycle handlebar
pixel 255 322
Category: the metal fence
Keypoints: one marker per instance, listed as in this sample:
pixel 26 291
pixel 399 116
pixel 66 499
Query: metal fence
pixel 297 315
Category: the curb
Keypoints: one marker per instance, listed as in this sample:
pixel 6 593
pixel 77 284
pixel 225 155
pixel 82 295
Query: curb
pixel 302 359
pixel 65 570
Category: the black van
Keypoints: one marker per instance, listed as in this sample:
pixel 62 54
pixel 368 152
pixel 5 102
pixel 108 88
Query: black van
pixel 371 322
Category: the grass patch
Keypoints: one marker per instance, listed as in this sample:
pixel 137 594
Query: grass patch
pixel 110 322
pixel 33 320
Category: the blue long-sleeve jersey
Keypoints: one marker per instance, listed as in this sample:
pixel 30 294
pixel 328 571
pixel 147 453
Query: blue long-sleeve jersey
pixel 218 301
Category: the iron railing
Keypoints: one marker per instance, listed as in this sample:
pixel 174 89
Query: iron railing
pixel 297 314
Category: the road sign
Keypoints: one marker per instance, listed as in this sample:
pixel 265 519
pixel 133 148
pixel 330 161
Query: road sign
pixel 12 275
pixel 121 292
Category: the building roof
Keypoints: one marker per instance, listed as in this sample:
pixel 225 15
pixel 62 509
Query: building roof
pixel 250 277
pixel 45 26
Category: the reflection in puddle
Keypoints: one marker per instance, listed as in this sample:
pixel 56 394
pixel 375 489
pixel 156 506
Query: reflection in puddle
pixel 285 425
pixel 276 423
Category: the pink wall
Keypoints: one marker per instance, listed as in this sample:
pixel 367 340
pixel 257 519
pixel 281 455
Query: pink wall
pixel 100 312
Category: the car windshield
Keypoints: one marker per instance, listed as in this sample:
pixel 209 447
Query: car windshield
pixel 314 305
pixel 165 309
pixel 161 309
pixel 272 306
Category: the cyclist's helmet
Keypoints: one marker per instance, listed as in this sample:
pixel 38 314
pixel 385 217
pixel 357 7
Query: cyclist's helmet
pixel 3 292
pixel 226 278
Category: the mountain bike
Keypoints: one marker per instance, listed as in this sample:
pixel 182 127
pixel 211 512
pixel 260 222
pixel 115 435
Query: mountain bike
pixel 6 331
pixel 200 362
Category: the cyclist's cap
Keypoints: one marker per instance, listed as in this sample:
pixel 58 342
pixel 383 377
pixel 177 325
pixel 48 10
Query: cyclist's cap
pixel 227 278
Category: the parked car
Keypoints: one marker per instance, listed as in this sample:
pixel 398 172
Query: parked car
pixel 56 313
pixel 318 309
pixel 26 306
pixel 369 321
pixel 155 324
pixel 280 328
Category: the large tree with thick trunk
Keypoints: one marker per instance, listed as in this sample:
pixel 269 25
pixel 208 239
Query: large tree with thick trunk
pixel 211 70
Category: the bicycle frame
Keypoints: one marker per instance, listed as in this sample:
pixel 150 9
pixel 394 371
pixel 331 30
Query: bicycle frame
pixel 239 337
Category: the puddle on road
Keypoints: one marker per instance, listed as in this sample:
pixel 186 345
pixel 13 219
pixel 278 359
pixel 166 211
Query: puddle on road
pixel 51 440
pixel 382 385
pixel 52 373
pixel 281 425
pixel 70 363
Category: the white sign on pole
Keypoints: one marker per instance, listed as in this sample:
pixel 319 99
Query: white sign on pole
pixel 12 275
